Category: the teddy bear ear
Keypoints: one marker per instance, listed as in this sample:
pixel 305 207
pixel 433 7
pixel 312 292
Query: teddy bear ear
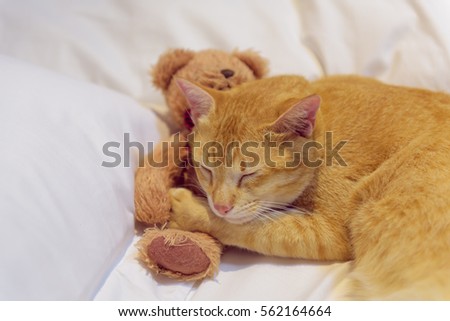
pixel 168 64
pixel 254 61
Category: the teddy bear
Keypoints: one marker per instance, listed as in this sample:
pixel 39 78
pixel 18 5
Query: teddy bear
pixel 174 253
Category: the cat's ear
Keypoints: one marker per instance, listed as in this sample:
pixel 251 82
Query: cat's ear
pixel 299 119
pixel 200 102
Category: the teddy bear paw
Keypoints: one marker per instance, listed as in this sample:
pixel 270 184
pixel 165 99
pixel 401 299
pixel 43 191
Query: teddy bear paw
pixel 179 254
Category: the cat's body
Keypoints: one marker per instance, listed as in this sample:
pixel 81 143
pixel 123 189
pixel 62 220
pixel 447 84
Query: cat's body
pixel 387 207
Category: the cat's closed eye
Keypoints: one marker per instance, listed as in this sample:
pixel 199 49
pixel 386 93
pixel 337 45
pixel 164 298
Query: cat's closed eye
pixel 245 177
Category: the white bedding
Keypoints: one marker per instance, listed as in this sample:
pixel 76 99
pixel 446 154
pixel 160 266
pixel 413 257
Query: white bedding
pixel 66 222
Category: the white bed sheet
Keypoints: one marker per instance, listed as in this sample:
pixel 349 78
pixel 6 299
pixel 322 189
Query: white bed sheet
pixel 113 43
pixel 242 276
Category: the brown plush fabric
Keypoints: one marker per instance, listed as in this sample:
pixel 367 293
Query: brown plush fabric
pixel 152 184
pixel 195 250
pixel 186 258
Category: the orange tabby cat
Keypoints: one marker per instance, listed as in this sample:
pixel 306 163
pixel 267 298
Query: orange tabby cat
pixel 378 193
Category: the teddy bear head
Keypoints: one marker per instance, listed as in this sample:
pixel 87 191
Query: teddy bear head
pixel 210 68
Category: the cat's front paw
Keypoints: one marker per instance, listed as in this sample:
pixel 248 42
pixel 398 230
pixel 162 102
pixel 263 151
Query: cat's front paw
pixel 188 212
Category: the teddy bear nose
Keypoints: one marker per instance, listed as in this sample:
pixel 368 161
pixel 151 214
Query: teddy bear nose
pixel 227 73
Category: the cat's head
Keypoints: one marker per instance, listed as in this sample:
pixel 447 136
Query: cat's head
pixel 247 145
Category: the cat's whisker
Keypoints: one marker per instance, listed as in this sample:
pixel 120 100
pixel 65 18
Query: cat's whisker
pixel 263 217
pixel 291 209
pixel 272 202
pixel 275 204
pixel 283 209
pixel 284 206
pixel 245 208
pixel 274 215
pixel 269 213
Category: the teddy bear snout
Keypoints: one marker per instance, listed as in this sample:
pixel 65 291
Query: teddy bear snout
pixel 227 73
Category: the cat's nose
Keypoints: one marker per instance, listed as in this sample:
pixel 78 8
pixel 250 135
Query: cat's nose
pixel 227 73
pixel 223 209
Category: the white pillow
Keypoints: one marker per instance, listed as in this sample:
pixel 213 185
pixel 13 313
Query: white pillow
pixel 65 220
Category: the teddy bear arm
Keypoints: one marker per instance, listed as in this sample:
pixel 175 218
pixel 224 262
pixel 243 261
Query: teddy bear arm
pixel 154 179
